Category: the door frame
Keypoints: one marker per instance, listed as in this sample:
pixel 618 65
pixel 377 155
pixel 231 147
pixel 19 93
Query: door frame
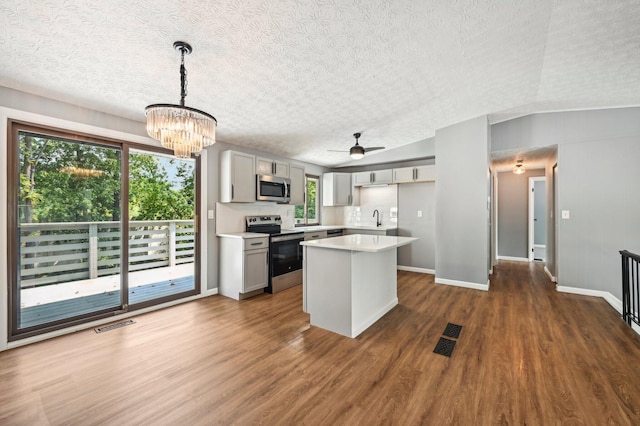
pixel 14 125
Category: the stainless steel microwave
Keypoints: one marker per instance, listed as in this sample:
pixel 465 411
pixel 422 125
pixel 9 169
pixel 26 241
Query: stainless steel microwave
pixel 273 188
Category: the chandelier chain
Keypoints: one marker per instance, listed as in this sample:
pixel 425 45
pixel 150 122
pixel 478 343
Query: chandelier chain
pixel 183 79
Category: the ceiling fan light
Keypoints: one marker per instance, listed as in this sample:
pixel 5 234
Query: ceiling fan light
pixel 356 152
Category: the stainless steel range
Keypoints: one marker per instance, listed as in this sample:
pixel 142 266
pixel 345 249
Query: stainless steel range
pixel 285 252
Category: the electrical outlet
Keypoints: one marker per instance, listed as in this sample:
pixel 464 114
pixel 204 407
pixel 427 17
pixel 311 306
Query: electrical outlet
pixel 419 213
pixel 210 214
pixel 565 214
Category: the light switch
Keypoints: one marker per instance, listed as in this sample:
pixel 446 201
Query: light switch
pixel 210 214
pixel 565 214
pixel 419 213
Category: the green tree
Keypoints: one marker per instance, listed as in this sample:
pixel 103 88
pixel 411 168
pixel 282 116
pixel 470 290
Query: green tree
pixel 69 181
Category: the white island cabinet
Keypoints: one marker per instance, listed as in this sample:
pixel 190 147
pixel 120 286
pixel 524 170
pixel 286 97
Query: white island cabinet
pixel 358 289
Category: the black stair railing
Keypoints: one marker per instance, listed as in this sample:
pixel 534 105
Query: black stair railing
pixel 630 287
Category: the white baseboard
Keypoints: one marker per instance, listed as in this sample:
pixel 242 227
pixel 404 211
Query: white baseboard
pixel 414 269
pixel 551 277
pixel 475 286
pixel 610 298
pixel 513 259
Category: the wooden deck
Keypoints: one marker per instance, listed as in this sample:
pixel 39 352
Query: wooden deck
pixel 526 355
pixel 43 304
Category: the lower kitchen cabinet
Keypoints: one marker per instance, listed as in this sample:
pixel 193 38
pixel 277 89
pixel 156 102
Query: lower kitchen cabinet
pixel 367 231
pixel 244 266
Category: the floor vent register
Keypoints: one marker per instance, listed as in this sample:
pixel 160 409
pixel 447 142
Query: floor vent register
pixel 445 346
pixel 114 325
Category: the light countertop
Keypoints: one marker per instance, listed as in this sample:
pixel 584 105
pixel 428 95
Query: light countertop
pixel 328 227
pixel 244 235
pixel 356 242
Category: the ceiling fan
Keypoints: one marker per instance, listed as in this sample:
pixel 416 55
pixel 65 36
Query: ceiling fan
pixel 357 151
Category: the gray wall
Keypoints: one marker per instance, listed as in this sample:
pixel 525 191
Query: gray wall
pixel 598 177
pixel 421 149
pixel 598 184
pixel 15 99
pixel 411 198
pixel 462 209
pixel 513 213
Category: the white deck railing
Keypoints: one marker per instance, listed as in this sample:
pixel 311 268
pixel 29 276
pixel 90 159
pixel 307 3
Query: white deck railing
pixel 52 253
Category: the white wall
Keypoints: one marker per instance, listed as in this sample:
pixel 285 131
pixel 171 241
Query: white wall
pixel 462 207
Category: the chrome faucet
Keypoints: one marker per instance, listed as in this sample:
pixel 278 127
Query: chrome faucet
pixel 378 223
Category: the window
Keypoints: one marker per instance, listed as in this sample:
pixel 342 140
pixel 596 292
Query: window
pixel 308 213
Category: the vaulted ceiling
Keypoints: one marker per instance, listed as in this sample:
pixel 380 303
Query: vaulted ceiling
pixel 296 78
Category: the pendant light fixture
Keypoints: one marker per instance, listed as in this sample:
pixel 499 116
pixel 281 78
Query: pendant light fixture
pixel 180 128
pixel 519 168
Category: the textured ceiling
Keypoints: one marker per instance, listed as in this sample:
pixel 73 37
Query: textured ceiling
pixel 296 78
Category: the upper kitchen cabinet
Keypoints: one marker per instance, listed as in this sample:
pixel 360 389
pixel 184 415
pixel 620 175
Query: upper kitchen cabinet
pixel 336 189
pixel 296 174
pixel 414 174
pixel 266 166
pixel 373 178
pixel 237 177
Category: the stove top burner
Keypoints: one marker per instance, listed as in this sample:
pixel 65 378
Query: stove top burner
pixel 270 224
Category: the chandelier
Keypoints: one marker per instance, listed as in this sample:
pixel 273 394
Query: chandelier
pixel 179 128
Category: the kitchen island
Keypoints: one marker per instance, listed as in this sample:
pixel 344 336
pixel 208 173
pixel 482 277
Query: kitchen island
pixel 350 282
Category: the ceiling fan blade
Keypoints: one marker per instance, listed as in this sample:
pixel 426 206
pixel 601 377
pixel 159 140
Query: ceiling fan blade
pixel 373 148
pixel 337 150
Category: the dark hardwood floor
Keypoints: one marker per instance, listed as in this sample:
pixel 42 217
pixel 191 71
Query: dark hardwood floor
pixel 526 355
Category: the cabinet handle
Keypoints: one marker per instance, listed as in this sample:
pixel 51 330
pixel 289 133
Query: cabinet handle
pixel 231 191
pixel 372 177
pixel 273 168
pixel 415 173
pixel 257 244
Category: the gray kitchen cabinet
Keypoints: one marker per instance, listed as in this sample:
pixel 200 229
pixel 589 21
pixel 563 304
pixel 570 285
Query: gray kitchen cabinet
pixel 244 266
pixel 296 174
pixel 336 189
pixel 266 166
pixel 414 174
pixel 315 235
pixel 237 177
pixel 369 231
pixel 373 178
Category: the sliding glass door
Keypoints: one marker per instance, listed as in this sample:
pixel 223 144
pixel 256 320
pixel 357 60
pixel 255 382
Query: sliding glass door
pixel 162 238
pixel 73 199
pixel 66 242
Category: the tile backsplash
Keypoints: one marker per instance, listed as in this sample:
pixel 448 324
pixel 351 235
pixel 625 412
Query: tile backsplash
pixel 382 198
pixel 230 216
